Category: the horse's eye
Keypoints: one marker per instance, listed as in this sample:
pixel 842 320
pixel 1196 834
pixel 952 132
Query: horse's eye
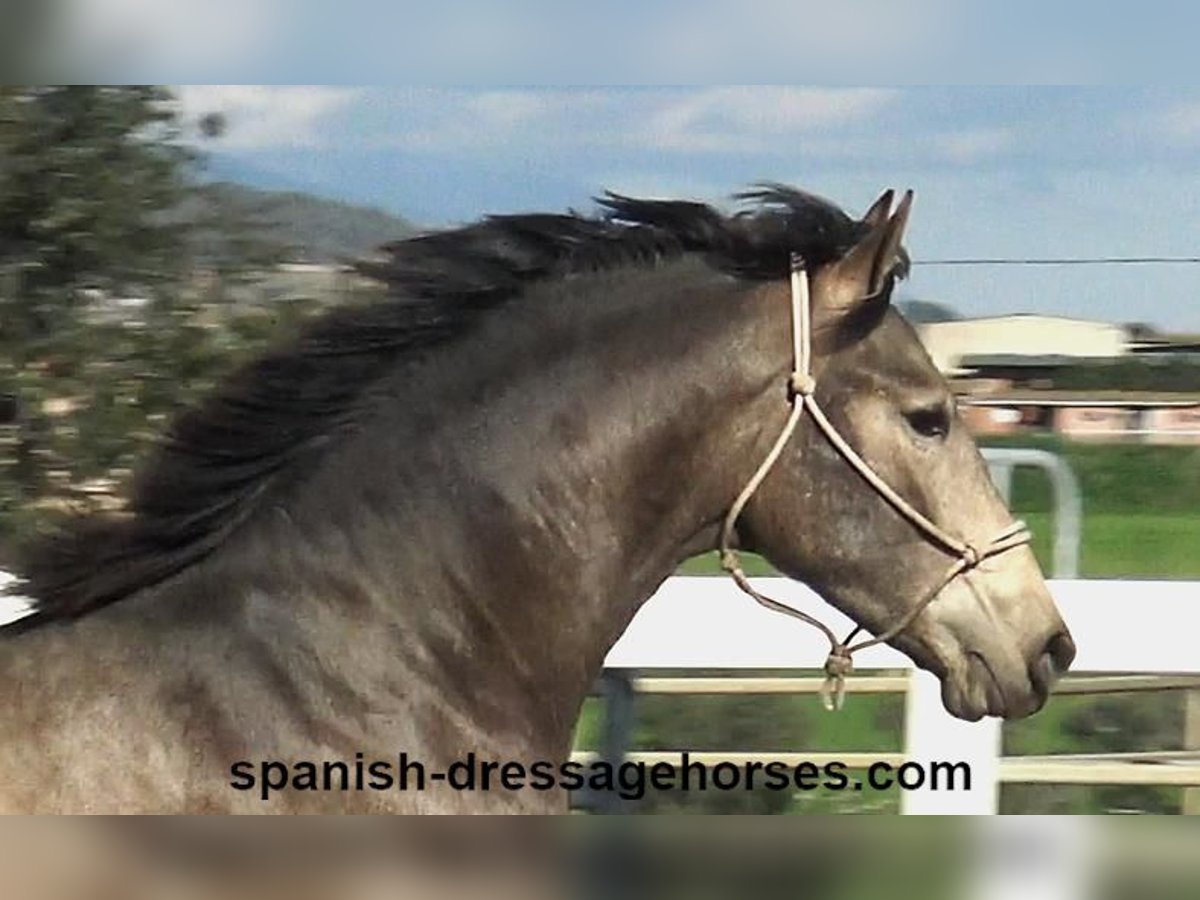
pixel 929 421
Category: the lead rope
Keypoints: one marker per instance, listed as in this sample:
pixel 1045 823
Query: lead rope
pixel 801 394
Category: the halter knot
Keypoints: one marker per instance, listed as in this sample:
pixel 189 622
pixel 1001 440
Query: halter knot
pixel 838 665
pixel 801 384
pixel 729 561
pixel 970 556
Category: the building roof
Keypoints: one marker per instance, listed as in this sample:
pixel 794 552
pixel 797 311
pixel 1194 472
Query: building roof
pixel 1089 399
pixel 1187 344
pixel 1023 361
pixel 1030 317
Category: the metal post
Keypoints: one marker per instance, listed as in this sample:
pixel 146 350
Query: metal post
pixel 616 688
pixel 1191 741
pixel 1068 501
pixel 1001 472
pixel 618 726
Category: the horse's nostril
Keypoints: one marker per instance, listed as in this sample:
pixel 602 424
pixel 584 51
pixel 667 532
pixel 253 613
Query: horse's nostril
pixel 1053 661
pixel 1061 650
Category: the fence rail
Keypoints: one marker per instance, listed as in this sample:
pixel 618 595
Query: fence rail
pixel 1150 768
pixel 896 684
pixel 1153 767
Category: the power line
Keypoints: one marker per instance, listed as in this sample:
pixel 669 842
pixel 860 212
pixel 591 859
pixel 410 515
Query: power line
pixel 1061 261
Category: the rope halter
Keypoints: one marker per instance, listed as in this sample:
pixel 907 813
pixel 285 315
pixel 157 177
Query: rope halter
pixel 802 397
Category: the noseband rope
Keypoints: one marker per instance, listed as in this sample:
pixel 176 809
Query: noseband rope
pixel 801 391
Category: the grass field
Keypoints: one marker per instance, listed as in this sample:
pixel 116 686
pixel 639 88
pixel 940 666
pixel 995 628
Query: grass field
pixel 1114 545
pixel 1141 508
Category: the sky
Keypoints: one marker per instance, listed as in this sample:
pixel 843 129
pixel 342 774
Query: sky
pixel 1009 172
pixel 1027 149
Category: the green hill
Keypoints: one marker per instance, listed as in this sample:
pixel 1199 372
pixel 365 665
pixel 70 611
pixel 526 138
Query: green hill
pixel 307 228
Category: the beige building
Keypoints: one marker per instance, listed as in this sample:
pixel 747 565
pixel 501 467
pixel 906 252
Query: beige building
pixel 1177 425
pixel 1097 423
pixel 1138 416
pixel 950 343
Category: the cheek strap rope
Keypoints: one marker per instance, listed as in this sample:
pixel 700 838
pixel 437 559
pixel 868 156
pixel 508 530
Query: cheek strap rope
pixel 801 392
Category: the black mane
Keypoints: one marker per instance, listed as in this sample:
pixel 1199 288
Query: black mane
pixel 267 425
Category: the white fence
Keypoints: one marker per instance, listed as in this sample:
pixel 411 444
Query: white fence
pixel 1119 627
pixel 11 608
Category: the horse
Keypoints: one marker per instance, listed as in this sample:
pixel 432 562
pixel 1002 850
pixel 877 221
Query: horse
pixel 400 544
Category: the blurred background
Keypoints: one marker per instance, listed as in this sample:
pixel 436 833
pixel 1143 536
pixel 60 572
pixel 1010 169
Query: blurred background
pixel 366 859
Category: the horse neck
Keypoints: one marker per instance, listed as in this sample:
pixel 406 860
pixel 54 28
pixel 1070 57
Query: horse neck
pixel 558 487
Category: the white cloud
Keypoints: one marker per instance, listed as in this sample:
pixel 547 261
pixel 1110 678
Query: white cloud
pixel 1179 122
pixel 973 145
pixel 740 119
pixel 464 121
pixel 266 115
pixel 508 108
pixel 744 118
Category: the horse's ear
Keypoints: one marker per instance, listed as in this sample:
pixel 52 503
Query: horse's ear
pixel 864 270
pixel 889 258
pixel 880 209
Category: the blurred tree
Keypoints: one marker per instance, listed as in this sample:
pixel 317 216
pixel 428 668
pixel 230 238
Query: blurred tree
pixel 105 322
pixel 213 125
pixel 83 170
pixel 85 173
